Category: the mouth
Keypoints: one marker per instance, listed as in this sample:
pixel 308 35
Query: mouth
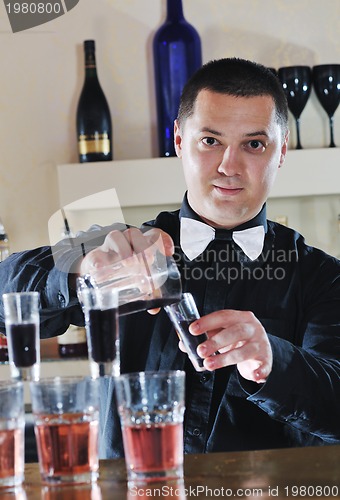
pixel 228 191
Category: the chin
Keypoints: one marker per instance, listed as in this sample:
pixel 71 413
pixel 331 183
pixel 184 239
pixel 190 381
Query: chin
pixel 218 221
pixel 227 219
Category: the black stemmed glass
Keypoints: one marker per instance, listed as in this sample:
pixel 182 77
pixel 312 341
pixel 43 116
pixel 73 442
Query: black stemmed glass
pixel 326 81
pixel 297 83
pixel 273 70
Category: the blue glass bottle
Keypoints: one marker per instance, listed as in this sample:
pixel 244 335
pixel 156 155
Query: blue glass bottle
pixel 177 55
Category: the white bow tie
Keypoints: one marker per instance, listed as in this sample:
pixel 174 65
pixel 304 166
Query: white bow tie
pixel 195 237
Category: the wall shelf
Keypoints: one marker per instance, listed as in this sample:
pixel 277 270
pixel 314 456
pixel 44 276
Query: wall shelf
pixel 160 181
pixel 306 192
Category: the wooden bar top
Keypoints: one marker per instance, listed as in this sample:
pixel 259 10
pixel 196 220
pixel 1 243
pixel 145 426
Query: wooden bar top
pixel 285 473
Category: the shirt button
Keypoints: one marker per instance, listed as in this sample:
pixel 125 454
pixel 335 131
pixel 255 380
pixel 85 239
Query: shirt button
pixel 61 299
pixel 196 432
pixel 204 378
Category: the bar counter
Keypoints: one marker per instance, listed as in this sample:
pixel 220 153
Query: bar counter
pixel 285 473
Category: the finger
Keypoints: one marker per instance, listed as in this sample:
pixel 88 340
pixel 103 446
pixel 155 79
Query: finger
pixel 227 339
pixel 235 356
pixel 94 260
pixel 223 319
pixel 253 364
pixel 217 320
pixel 114 249
pixel 256 370
pixel 154 311
pixel 232 346
pixel 138 241
pixel 181 346
pixel 161 239
pixel 261 374
pixel 116 242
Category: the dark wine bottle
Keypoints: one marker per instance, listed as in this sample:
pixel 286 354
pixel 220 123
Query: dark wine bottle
pixel 3 348
pixel 177 55
pixel 73 344
pixel 94 126
pixel 4 243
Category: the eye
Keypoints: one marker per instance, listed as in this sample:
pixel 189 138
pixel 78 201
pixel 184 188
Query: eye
pixel 210 141
pixel 256 145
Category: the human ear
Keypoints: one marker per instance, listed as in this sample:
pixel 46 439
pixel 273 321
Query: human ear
pixel 177 139
pixel 284 149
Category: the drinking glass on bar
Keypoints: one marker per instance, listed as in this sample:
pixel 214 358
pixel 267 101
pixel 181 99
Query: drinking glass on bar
pixel 151 409
pixel 22 329
pixel 66 421
pixel 182 314
pixel 12 434
pixel 100 308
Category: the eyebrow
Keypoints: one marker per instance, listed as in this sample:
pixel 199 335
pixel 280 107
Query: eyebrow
pixel 250 134
pixel 211 131
pixel 256 133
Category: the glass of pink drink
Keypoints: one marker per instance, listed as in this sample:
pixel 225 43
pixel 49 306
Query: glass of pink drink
pixel 66 422
pixel 151 408
pixel 12 438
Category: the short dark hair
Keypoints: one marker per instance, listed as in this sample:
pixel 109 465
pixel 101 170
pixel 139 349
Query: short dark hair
pixel 236 77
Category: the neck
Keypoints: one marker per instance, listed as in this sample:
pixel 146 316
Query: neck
pixel 259 219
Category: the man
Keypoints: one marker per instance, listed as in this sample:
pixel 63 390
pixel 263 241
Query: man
pixel 270 304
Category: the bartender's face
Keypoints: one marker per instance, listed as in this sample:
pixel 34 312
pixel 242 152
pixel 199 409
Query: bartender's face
pixel 231 149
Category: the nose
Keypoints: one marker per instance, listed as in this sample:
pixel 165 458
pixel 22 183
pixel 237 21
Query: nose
pixel 230 163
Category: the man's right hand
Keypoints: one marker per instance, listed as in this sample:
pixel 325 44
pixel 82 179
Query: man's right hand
pixel 120 245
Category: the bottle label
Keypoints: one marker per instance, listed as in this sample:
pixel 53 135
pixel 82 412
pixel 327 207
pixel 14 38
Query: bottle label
pixel 3 341
pixel 90 60
pixel 99 143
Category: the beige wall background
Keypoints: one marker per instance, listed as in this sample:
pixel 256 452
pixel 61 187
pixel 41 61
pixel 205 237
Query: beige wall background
pixel 42 75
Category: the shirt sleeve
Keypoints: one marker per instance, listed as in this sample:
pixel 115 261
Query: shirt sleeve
pixel 303 389
pixel 46 270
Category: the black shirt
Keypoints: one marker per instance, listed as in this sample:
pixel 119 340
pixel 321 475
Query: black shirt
pixel 292 288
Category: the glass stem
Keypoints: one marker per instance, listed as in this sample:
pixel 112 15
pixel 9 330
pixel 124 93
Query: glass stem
pixel 298 142
pixel 331 127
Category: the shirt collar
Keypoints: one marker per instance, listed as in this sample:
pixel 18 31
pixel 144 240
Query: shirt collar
pixel 258 220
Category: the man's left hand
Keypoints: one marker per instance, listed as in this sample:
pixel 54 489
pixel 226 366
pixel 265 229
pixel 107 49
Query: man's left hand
pixel 240 340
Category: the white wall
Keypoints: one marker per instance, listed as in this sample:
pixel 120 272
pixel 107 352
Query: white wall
pixel 42 74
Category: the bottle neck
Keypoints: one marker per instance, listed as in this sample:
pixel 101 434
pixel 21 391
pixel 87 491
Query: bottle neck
pixel 90 63
pixel 174 10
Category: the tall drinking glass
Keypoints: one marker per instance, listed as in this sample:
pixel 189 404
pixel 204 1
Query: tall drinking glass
pixel 66 421
pixel 151 408
pixel 12 438
pixel 182 314
pixel 100 308
pixel 22 328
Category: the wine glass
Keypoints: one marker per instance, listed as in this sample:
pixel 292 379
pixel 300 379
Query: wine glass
pixel 326 81
pixel 273 70
pixel 297 84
